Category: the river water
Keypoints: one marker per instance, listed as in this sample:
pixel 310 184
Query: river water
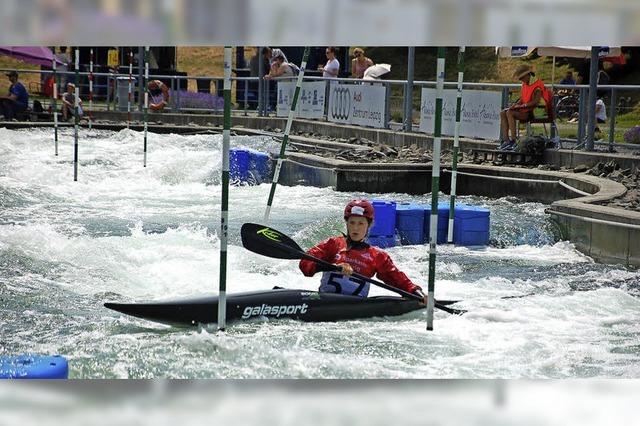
pixel 128 233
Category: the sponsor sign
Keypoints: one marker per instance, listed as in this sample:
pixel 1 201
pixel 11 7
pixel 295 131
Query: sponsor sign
pixel 360 104
pixel 310 101
pixel 265 310
pixel 480 117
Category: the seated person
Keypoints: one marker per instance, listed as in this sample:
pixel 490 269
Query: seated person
pixel 68 103
pixel 352 254
pixel 280 68
pixel 532 93
pixel 159 95
pixel 568 79
pixel 16 101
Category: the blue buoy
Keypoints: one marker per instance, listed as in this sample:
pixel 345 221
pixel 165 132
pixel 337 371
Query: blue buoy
pixel 239 164
pixel 384 223
pixel 471 226
pixel 410 223
pixel 443 222
pixel 33 367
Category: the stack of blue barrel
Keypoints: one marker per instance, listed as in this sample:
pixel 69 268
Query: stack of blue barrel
pixel 247 166
pixel 411 222
pixel 33 367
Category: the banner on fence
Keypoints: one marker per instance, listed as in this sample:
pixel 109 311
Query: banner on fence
pixel 480 116
pixel 360 104
pixel 310 100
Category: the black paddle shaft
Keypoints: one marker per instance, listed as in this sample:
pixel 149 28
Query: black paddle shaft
pixel 272 243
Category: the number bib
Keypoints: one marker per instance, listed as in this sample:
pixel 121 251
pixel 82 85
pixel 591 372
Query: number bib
pixel 335 282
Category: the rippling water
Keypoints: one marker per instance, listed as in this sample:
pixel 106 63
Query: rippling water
pixel 126 233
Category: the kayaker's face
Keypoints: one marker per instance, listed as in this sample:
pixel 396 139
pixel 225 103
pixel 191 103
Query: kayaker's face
pixel 357 228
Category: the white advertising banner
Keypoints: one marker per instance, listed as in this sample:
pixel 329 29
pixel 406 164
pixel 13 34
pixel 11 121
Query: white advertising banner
pixel 361 104
pixel 480 117
pixel 310 100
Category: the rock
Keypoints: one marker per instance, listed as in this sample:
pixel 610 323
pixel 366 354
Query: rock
pixel 554 167
pixel 544 167
pixel 580 168
pixel 353 139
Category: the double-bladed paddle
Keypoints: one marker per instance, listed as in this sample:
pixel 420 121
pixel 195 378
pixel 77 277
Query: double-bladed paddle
pixel 272 243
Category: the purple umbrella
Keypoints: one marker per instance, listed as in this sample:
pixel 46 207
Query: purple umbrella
pixel 37 55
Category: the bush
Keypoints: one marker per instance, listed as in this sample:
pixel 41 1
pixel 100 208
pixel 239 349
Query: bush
pixel 632 135
pixel 200 100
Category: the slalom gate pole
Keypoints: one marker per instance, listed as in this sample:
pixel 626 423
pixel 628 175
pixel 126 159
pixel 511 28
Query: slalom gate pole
pixel 224 205
pixel 456 145
pixel 55 107
pixel 76 119
pixel 130 87
pixel 146 101
pixel 287 130
pixel 90 88
pixel 435 187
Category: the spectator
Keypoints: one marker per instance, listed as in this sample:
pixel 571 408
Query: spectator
pixel 280 68
pixel 270 54
pixel 359 63
pixel 65 59
pixel 68 103
pixel 532 92
pixel 601 111
pixel 332 67
pixel 568 79
pixel 16 101
pixel 158 94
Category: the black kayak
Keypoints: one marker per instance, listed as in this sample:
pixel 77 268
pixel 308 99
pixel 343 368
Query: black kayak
pixel 300 305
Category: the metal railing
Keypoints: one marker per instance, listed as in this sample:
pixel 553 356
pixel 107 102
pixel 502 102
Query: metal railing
pixel 264 102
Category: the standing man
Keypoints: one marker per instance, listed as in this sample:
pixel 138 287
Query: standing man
pixel 16 101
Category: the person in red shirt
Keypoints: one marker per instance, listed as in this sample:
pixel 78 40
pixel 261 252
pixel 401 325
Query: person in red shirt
pixel 353 254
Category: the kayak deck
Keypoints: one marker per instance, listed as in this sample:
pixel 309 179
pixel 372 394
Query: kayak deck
pixel 303 305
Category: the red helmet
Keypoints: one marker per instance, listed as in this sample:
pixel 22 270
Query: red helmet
pixel 361 208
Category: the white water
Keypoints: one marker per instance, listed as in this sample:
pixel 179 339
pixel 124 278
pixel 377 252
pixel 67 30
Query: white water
pixel 123 232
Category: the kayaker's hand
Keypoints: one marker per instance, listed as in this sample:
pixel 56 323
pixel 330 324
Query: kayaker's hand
pixel 346 268
pixel 419 293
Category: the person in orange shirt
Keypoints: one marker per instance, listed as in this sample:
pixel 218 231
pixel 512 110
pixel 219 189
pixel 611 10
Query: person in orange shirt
pixel 531 93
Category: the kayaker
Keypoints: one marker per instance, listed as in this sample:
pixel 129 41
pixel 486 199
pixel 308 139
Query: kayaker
pixel 353 254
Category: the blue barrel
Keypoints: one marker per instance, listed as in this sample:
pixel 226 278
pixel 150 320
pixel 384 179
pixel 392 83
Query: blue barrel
pixel 33 367
pixel 384 222
pixel 443 222
pixel 471 226
pixel 259 165
pixel 382 241
pixel 239 161
pixel 410 223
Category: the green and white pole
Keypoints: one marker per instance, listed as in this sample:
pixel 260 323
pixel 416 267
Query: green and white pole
pixel 76 119
pixel 435 188
pixel 287 130
pixel 90 115
pixel 224 206
pixel 456 144
pixel 146 101
pixel 130 93
pixel 55 107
